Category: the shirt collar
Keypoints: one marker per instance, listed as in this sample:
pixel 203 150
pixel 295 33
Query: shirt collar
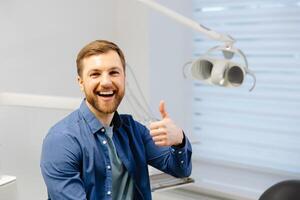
pixel 92 120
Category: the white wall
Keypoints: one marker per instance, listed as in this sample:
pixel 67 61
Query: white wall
pixel 132 35
pixel 157 47
pixel 21 133
pixel 170 48
pixel 39 43
pixel 40 40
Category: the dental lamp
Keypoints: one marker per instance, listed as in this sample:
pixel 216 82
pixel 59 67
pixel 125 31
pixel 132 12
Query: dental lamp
pixel 222 72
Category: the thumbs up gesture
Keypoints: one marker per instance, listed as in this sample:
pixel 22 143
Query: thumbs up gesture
pixel 165 132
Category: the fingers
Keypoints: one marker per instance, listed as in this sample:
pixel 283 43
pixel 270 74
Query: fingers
pixel 158 131
pixel 161 140
pixel 162 143
pixel 159 136
pixel 156 125
pixel 162 109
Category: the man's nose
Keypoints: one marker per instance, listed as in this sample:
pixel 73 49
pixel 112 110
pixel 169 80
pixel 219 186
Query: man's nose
pixel 105 80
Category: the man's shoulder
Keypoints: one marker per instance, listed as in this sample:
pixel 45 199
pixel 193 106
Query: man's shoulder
pixel 62 139
pixel 67 125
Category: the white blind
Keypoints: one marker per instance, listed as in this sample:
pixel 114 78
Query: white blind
pixel 259 128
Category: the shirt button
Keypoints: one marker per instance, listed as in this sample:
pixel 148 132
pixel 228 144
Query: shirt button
pixel 108 167
pixel 104 142
pixel 182 162
pixel 102 130
pixel 179 152
pixel 109 193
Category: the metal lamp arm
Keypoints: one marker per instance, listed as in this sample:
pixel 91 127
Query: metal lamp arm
pixel 188 22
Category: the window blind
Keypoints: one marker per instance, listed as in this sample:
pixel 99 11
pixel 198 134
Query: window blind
pixel 259 128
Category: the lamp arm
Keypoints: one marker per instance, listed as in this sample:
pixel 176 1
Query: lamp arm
pixel 188 22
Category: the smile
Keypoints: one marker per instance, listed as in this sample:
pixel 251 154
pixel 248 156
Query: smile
pixel 106 93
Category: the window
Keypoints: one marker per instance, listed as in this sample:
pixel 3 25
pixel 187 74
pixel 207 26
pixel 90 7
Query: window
pixel 259 129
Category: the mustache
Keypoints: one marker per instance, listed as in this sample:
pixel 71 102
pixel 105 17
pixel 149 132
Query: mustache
pixel 104 89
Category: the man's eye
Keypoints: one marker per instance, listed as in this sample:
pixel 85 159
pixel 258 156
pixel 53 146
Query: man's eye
pixel 95 74
pixel 114 72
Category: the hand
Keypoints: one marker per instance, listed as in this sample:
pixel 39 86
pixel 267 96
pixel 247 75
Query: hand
pixel 165 132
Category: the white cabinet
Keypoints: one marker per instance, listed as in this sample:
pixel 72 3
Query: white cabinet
pixel 8 188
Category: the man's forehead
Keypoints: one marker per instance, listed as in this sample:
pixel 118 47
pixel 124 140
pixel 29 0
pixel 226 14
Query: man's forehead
pixel 110 60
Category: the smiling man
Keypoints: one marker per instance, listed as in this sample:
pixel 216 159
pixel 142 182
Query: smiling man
pixel 96 153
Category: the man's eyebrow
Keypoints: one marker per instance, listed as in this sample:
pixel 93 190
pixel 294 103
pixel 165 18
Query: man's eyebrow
pixel 115 68
pixel 94 70
pixel 99 70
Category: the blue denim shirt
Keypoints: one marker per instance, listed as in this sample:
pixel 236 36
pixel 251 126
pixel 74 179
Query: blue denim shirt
pixel 75 160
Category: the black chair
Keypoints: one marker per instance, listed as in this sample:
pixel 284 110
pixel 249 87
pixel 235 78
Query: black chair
pixel 285 190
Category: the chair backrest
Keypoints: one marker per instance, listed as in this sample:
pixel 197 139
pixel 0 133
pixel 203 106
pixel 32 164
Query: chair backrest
pixel 285 190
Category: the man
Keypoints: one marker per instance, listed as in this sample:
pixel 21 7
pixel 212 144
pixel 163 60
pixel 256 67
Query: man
pixel 95 153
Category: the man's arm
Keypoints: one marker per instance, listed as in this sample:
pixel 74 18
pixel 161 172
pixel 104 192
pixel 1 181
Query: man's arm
pixel 60 167
pixel 167 147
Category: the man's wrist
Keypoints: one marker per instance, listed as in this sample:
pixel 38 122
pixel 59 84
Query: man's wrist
pixel 182 144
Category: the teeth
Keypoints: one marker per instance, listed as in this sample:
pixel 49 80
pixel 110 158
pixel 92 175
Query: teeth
pixel 106 93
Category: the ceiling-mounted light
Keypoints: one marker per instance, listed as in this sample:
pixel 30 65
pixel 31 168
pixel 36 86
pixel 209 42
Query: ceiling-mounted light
pixel 222 72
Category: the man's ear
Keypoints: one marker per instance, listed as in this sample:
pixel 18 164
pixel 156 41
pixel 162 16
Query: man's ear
pixel 80 83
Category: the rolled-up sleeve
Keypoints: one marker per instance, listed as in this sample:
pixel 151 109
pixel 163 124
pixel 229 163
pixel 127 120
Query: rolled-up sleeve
pixel 60 160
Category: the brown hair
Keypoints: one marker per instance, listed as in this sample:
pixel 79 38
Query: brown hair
pixel 95 48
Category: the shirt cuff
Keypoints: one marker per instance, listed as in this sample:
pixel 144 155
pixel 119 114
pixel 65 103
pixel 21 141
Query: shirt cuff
pixel 180 146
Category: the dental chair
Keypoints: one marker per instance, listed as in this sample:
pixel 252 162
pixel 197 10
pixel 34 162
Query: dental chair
pixel 285 190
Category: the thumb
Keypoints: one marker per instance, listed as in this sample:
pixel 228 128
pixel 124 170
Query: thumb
pixel 162 109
